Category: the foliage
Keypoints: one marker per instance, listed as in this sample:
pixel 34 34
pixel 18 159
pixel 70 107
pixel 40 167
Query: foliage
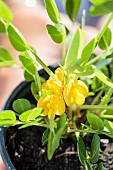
pixel 81 75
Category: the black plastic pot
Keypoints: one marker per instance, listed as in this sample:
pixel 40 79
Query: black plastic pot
pixel 21 91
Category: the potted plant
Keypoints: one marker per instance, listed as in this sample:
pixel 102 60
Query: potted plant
pixel 52 120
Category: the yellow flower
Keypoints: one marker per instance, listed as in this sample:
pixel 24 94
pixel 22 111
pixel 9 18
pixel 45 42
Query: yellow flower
pixel 52 105
pixel 53 86
pixel 59 73
pixel 75 92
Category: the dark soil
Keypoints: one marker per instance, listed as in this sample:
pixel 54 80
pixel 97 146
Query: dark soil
pixel 27 153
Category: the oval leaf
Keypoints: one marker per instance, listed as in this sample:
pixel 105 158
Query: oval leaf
pixel 21 105
pixel 52 11
pixel 95 148
pixel 95 121
pixel 55 34
pixel 88 50
pixel 28 65
pixel 105 40
pixel 16 38
pixel 109 125
pixel 81 151
pixel 103 78
pixel 100 166
pixel 2 26
pixel 72 8
pixel 75 49
pixel 5 12
pixel 5 54
pixel 30 114
pixel 7 116
pixel 104 8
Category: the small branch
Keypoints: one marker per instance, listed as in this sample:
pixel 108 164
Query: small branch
pixel 66 153
pixel 91 107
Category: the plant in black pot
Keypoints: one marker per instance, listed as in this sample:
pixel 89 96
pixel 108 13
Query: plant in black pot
pixel 61 118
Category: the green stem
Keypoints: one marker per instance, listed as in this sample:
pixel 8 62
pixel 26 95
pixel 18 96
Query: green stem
pixel 45 67
pixel 78 130
pixel 101 32
pixel 88 131
pixel 94 60
pixel 91 107
pixel 42 125
pixel 106 116
pixel 97 97
pixel 107 97
pixel 63 51
pixel 38 80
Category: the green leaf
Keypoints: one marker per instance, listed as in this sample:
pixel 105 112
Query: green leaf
pixel 16 38
pixel 95 148
pixel 88 50
pixel 45 136
pixel 60 129
pixel 5 12
pixel 100 166
pixel 21 105
pixel 2 26
pixel 32 123
pixel 34 88
pixel 7 114
pixel 5 55
pixel 103 78
pixel 103 8
pixel 95 121
pixel 54 138
pixel 81 151
pixel 7 117
pixel 98 2
pixel 55 34
pixel 105 40
pixel 96 83
pixel 52 11
pixel 72 8
pixel 109 125
pixel 30 114
pixel 28 65
pixel 61 122
pixel 75 49
pixel 28 76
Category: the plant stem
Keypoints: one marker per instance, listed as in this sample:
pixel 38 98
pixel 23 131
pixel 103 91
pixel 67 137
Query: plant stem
pixel 101 107
pixel 107 97
pixel 63 51
pixel 78 130
pixel 106 116
pixel 94 60
pixel 38 80
pixel 42 125
pixel 97 97
pixel 101 32
pixel 45 67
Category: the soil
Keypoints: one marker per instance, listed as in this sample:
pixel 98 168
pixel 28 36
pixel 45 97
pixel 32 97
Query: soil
pixel 27 153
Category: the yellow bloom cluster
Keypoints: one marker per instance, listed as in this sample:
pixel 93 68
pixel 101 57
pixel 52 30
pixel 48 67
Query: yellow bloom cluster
pixel 73 92
pixel 52 104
